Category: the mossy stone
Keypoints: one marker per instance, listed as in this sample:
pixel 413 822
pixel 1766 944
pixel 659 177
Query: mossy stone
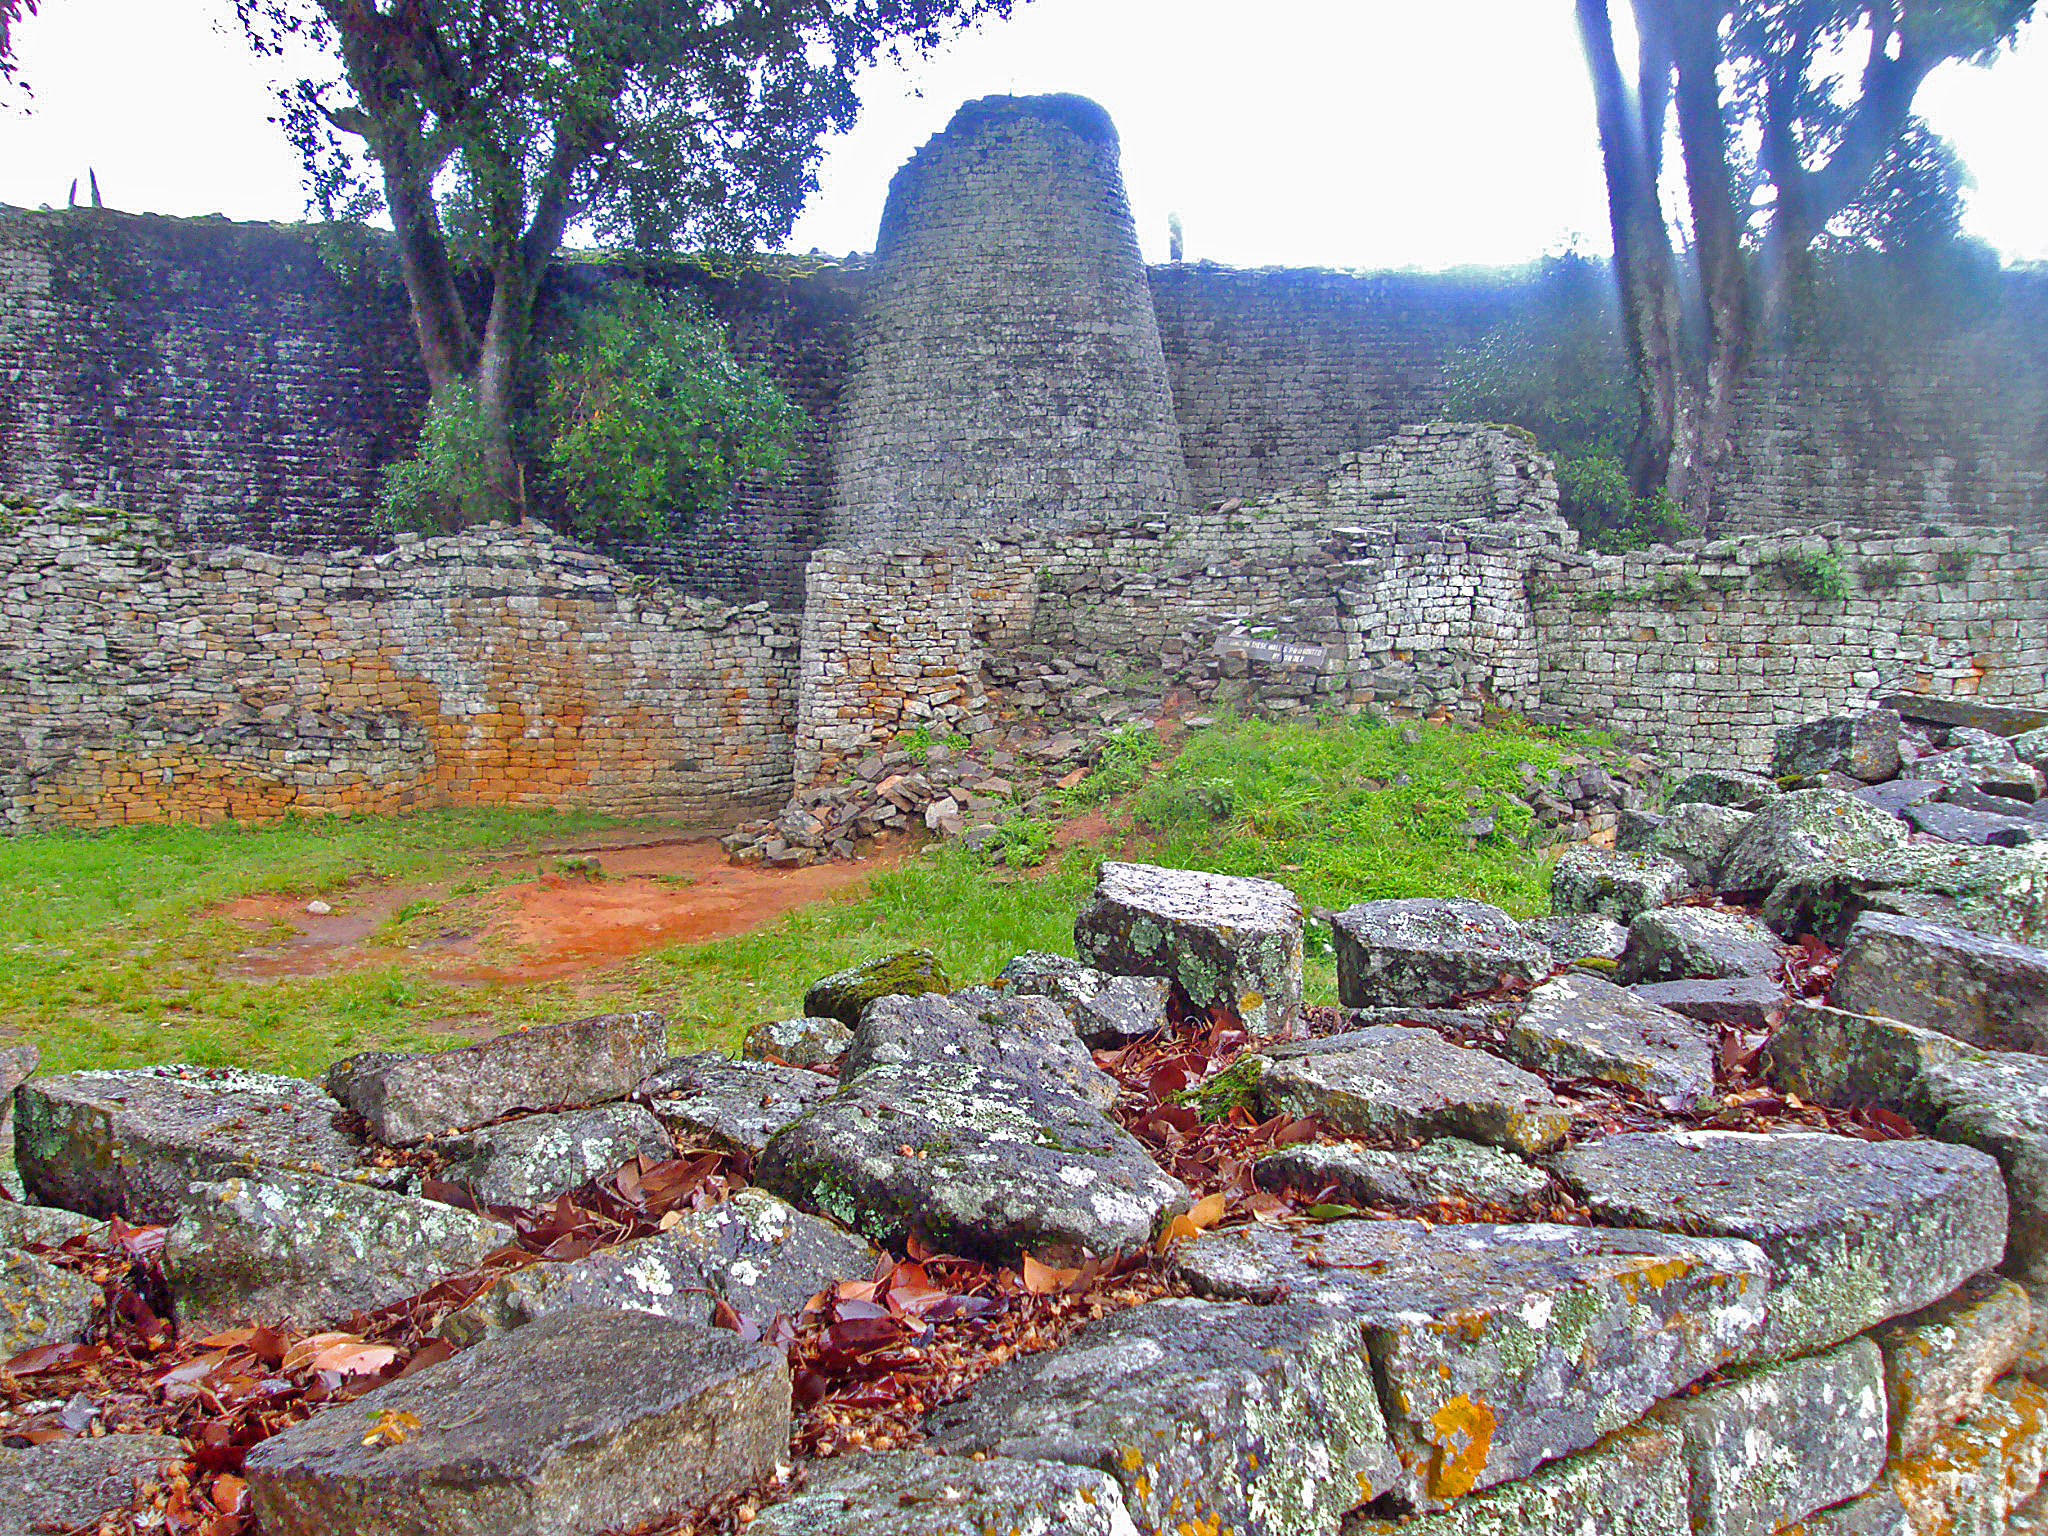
pixel 845 995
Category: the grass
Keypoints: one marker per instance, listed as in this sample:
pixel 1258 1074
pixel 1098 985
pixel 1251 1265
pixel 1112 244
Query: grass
pixel 111 952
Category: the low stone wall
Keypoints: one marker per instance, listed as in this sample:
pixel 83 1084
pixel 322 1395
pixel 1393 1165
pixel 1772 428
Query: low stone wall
pixel 144 681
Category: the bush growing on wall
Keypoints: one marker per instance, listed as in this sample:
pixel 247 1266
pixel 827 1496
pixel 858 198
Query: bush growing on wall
pixel 446 485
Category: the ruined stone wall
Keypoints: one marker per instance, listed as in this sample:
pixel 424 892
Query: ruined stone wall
pixel 1708 647
pixel 141 680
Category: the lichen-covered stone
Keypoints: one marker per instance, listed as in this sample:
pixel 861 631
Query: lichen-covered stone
pixel 65 1485
pixel 973 1162
pixel 711 1100
pixel 915 1493
pixel 1697 838
pixel 531 1160
pixel 845 995
pixel 1583 1026
pixel 1616 885
pixel 1724 786
pixel 1698 944
pixel 1223 940
pixel 801 1042
pixel 21 1225
pixel 1977 825
pixel 1396 1081
pixel 1210 1416
pixel 41 1303
pixel 1745 1002
pixel 1864 746
pixel 1939 1362
pixel 1573 936
pixel 1989 992
pixel 1632 1483
pixel 1017 1036
pixel 1979 765
pixel 1856 1231
pixel 1105 1010
pixel 1446 1169
pixel 1997 1104
pixel 588 1420
pixel 1978 1471
pixel 304 1250
pixel 2002 892
pixel 130 1141
pixel 1801 828
pixel 758 1254
pixel 1772 1444
pixel 1900 795
pixel 1500 1347
pixel 409 1096
pixel 1827 1056
pixel 1875 1512
pixel 1429 951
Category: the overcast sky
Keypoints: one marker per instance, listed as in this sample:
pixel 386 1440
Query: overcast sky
pixel 1342 133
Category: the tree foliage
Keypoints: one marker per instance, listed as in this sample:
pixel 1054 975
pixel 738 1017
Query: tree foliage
pixel 11 13
pixel 488 129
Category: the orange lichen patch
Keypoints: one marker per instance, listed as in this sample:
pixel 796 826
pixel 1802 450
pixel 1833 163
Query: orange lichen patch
pixel 1652 1276
pixel 1462 1432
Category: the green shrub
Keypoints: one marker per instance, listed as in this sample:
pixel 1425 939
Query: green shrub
pixel 1823 574
pixel 446 484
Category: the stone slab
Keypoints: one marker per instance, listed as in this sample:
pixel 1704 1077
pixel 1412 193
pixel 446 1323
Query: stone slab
pixel 1573 936
pixel 1876 1512
pixel 1998 719
pixel 1429 951
pixel 292 1248
pixel 67 1484
pixel 1017 1036
pixel 1772 1444
pixel 915 1493
pixel 1939 1362
pixel 130 1141
pixel 1725 786
pixel 1106 1011
pixel 41 1303
pixel 1997 1104
pixel 1501 1347
pixel 1864 746
pixel 1400 1081
pixel 531 1160
pixel 588 1420
pixel 802 1042
pixel 409 1096
pixel 845 995
pixel 972 1162
pixel 1805 826
pixel 1211 1416
pixel 712 1100
pixel 1699 944
pixel 758 1254
pixel 1988 992
pixel 1584 1026
pixel 2002 892
pixel 1744 1002
pixel 1829 1056
pixel 1223 940
pixel 1616 885
pixel 1446 1169
pixel 1856 1231
pixel 1976 826
pixel 1697 838
pixel 1980 1470
pixel 21 1225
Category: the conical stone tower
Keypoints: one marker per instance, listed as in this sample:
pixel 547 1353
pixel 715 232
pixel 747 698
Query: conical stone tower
pixel 1010 372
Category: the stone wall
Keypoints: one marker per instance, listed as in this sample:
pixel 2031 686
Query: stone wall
pixel 143 681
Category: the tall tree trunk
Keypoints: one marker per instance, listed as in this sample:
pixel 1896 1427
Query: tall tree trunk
pixel 440 319
pixel 513 292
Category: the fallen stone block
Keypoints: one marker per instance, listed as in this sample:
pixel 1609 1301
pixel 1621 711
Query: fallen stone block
pixel 1988 992
pixel 1223 940
pixel 1774 1443
pixel 588 1420
pixel 1939 1362
pixel 1856 1231
pixel 1996 719
pixel 293 1248
pixel 1697 839
pixel 1981 828
pixel 1398 1081
pixel 1573 936
pixel 711 1100
pixel 1699 944
pixel 845 995
pixel 2002 892
pixel 1446 1169
pixel 1977 1472
pixel 1500 1347
pixel 1801 828
pixel 759 1255
pixel 65 1485
pixel 1989 766
pixel 972 1162
pixel 42 1303
pixel 1864 746
pixel 801 1042
pixel 1730 787
pixel 21 1225
pixel 1616 885
pixel 1633 1483
pixel 1017 1036
pixel 1426 952
pixel 409 1096
pixel 1106 1011
pixel 914 1493
pixel 1997 1104
pixel 1582 1026
pixel 1210 1416
pixel 1744 1002
pixel 1896 797
pixel 130 1141
pixel 1876 1512
pixel 531 1160
pixel 1828 1056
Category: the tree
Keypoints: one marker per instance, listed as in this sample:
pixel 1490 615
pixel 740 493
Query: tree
pixel 488 129
pixel 1792 118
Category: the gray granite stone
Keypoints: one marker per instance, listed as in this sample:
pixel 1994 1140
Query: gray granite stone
pixel 712 1100
pixel 1800 828
pixel 1940 1361
pixel 41 1303
pixel 531 1160
pixel 1429 951
pixel 1997 1104
pixel 1105 1010
pixel 1828 1056
pixel 1864 746
pixel 1015 1036
pixel 1745 1002
pixel 1985 991
pixel 1977 1472
pixel 1697 839
pixel 1616 885
pixel 916 1493
pixel 845 995
pixel 2002 892
pixel 1725 786
pixel 1582 1026
pixel 801 1042
pixel 1578 935
pixel 1446 1169
pixel 67 1484
pixel 1698 944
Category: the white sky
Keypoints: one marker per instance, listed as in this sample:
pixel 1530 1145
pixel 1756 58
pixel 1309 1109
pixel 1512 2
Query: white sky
pixel 1342 133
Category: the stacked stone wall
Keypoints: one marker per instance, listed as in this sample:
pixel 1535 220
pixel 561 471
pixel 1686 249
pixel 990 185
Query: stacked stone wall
pixel 142 681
